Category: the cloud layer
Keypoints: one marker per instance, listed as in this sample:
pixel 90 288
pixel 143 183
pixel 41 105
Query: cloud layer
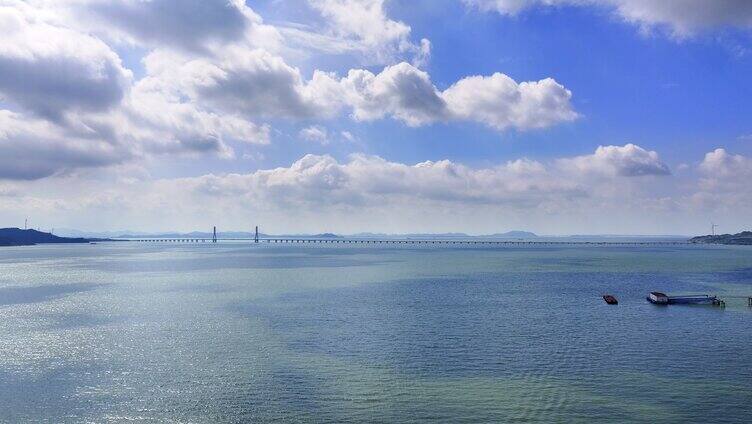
pixel 617 187
pixel 215 78
pixel 681 17
pixel 49 70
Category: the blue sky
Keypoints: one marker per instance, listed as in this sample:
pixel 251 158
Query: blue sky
pixel 555 116
pixel 685 95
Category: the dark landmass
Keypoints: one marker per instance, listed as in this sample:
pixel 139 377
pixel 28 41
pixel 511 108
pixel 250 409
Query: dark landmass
pixel 19 237
pixel 743 238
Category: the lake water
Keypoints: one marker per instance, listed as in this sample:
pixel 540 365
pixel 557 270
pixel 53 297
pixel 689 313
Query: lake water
pixel 226 332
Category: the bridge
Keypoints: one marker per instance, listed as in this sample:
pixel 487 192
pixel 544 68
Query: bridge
pixel 407 241
pixel 363 241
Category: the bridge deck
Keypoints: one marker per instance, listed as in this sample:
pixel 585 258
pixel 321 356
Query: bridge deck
pixel 410 241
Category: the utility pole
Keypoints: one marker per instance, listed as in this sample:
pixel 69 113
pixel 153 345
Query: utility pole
pixel 255 238
pixel 26 223
pixel 214 235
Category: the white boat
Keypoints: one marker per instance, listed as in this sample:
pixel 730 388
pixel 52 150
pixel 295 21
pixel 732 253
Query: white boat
pixel 658 298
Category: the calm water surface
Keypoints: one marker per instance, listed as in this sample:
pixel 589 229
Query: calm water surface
pixel 123 332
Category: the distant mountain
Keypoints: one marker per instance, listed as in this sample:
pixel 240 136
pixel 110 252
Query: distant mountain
pixel 412 236
pixel 70 232
pixel 743 238
pixel 327 236
pixel 444 236
pixel 513 234
pixel 193 234
pixel 19 237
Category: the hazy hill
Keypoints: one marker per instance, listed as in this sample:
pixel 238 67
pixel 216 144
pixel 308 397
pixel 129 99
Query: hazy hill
pixel 19 237
pixel 743 238
pixel 513 234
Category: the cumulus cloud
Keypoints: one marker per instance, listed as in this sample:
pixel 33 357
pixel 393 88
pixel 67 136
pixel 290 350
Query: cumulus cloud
pixel 629 160
pixel 500 102
pixel 252 83
pixel 320 192
pixel 682 17
pixel 408 94
pixel 68 91
pixel 365 180
pixel 188 24
pixel 258 84
pixel 366 24
pixel 723 186
pixel 401 91
pixel 210 81
pixel 198 26
pixel 34 148
pixel 721 164
pixel 163 123
pixel 51 70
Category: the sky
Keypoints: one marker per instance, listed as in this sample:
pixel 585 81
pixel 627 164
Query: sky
pixel 307 116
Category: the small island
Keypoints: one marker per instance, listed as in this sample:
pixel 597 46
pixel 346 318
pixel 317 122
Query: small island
pixel 19 237
pixel 743 238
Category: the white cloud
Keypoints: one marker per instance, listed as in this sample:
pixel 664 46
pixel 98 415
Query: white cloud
pixel 321 181
pixel 211 80
pixel 257 84
pixel 78 101
pixel 724 184
pixel 682 17
pixel 315 133
pixel 34 148
pixel 629 160
pixel 368 28
pixel 347 135
pixel 500 102
pixel 163 123
pixel 51 70
pixel 198 26
pixel 408 94
pixel 363 192
pixel 401 91
pixel 721 164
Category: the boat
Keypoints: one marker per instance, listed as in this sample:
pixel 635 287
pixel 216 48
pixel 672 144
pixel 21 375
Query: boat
pixel 659 298
pixel 610 299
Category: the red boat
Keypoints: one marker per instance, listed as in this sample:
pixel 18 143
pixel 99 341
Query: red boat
pixel 610 299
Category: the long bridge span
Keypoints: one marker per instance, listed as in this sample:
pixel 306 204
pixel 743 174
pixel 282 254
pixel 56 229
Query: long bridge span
pixel 364 241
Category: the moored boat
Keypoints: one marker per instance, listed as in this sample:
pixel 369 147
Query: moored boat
pixel 695 299
pixel 610 299
pixel 658 298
